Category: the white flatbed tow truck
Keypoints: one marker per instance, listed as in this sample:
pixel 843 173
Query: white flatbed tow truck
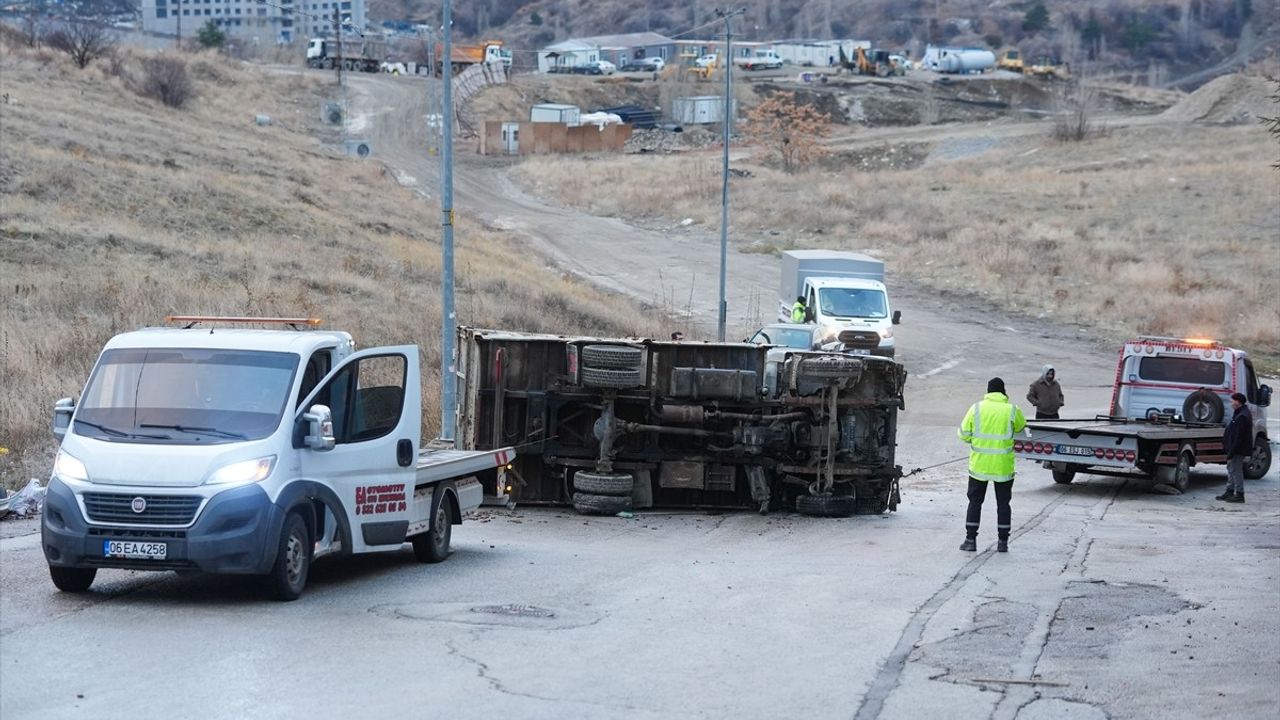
pixel 248 451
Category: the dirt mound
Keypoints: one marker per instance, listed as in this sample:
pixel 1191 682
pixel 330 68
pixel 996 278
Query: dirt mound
pixel 1230 99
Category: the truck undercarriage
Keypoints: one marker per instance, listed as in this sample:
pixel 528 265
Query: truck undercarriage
pixel 609 425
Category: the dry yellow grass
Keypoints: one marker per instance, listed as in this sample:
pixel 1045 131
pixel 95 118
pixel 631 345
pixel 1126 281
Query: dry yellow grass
pixel 1161 230
pixel 115 211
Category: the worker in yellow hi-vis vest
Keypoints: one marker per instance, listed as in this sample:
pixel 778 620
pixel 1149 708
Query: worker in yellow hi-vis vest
pixel 988 428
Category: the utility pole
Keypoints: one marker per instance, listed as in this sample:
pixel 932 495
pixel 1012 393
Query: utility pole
pixel 724 175
pixel 178 15
pixel 337 31
pixel 448 379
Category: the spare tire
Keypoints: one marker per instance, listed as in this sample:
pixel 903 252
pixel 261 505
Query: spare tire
pixel 589 504
pixel 602 378
pixel 826 505
pixel 603 483
pixel 1203 406
pixel 621 357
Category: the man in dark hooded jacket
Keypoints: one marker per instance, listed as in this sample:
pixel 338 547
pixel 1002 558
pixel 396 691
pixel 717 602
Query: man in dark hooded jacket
pixel 1237 443
pixel 1045 394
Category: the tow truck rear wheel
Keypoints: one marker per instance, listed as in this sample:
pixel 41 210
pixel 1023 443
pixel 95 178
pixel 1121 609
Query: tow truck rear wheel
pixel 1260 461
pixel 71 579
pixel 432 546
pixel 1063 474
pixel 1176 476
pixel 288 577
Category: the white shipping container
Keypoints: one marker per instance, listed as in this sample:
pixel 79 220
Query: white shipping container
pixel 556 113
pixel 701 109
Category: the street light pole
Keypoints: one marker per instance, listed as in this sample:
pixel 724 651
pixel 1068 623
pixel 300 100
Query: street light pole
pixel 449 389
pixel 723 307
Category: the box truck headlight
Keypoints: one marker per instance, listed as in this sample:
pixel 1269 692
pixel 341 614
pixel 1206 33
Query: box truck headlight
pixel 70 468
pixel 243 473
pixel 830 331
pixel 886 333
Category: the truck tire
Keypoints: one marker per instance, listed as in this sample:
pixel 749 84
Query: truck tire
pixel 618 379
pixel 432 546
pixel 1177 476
pixel 1203 406
pixel 288 576
pixel 589 504
pixel 619 357
pixel 829 367
pixel 826 505
pixel 1260 461
pixel 72 580
pixel 1063 475
pixel 603 483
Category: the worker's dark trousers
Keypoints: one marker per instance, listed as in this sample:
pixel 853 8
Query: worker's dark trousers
pixel 977 492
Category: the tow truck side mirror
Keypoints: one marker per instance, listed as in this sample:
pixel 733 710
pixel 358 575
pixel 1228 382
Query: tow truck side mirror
pixel 1264 396
pixel 319 428
pixel 62 411
pixel 897 317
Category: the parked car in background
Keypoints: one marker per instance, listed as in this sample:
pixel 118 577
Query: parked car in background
pixel 709 60
pixel 599 67
pixel 651 64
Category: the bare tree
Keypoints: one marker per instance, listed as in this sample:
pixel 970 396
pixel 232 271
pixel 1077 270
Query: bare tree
pixel 83 40
pixel 1273 123
pixel 1075 114
pixel 31 27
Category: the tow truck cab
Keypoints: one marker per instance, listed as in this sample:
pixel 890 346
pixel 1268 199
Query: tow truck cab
pixel 1185 379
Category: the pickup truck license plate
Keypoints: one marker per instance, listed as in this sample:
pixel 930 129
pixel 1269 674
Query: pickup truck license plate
pixel 1074 450
pixel 134 550
pixel 858 351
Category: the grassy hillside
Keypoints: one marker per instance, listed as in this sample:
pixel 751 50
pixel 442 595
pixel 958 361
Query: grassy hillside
pixel 116 210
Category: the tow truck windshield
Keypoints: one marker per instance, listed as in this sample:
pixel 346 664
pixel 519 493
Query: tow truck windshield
pixel 198 396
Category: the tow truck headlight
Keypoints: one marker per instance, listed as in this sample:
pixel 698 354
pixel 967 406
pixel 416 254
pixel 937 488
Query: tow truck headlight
pixel 243 473
pixel 886 333
pixel 68 467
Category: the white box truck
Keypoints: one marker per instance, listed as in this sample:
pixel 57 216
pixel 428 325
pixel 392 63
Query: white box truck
pixel 224 449
pixel 844 293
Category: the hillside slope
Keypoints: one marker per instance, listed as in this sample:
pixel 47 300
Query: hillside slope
pixel 115 211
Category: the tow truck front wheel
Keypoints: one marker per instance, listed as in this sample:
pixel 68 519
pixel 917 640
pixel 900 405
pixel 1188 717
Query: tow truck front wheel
pixel 72 580
pixel 288 576
pixel 1260 461
pixel 432 546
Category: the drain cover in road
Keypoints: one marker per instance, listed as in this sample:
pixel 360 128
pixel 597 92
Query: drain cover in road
pixel 515 610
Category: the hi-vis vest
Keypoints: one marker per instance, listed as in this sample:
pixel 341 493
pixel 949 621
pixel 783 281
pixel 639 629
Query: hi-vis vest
pixel 989 427
pixel 797 312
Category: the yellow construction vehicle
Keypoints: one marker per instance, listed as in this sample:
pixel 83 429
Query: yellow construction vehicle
pixel 1048 68
pixel 877 63
pixel 1011 60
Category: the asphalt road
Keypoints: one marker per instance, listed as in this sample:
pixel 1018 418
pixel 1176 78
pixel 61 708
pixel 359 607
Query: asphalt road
pixel 1114 602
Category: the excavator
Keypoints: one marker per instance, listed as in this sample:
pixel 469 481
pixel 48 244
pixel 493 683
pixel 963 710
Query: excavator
pixel 876 63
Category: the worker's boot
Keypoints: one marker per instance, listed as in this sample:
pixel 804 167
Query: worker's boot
pixel 970 544
pixel 1226 495
pixel 1002 545
pixel 1236 498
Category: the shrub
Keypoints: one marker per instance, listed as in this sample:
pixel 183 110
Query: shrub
pixel 166 79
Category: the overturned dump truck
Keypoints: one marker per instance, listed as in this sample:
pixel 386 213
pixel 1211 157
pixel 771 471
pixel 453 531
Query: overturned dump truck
pixel 609 425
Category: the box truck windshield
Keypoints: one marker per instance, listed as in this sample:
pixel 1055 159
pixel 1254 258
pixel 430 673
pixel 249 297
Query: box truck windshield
pixel 186 395
pixel 852 303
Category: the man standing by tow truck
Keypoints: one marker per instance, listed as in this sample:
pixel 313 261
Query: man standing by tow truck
pixel 1237 442
pixel 988 428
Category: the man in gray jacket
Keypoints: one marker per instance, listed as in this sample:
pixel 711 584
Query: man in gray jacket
pixel 1045 394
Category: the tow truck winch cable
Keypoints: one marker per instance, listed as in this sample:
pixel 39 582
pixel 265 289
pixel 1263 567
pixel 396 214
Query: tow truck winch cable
pixel 930 467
